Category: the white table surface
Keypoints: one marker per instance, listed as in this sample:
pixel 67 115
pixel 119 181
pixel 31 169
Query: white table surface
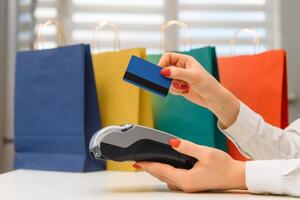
pixel 41 185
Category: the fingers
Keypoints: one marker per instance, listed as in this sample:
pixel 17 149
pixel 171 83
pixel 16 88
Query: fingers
pixel 178 73
pixel 180 86
pixel 189 148
pixel 176 179
pixel 176 59
pixel 164 172
pixel 172 187
pixel 175 92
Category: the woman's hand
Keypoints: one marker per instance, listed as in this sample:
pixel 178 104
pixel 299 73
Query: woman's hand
pixel 215 169
pixel 193 82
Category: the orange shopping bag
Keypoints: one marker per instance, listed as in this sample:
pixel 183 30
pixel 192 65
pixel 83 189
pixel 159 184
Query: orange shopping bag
pixel 259 81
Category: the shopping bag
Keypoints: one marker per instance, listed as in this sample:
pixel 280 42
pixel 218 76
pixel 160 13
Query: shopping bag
pixel 260 82
pixel 56 109
pixel 266 93
pixel 121 103
pixel 178 116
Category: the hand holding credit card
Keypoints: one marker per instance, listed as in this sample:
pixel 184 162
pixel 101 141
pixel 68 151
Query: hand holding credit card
pixel 147 76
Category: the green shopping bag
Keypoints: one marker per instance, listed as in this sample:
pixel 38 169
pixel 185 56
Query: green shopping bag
pixel 178 116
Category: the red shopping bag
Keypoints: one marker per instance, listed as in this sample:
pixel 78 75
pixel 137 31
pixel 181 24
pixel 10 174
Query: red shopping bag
pixel 260 81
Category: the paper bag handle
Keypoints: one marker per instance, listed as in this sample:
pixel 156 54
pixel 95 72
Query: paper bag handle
pixel 115 29
pixel 255 39
pixel 164 26
pixel 39 39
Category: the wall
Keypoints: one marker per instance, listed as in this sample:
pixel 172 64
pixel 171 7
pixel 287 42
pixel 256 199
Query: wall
pixel 3 67
pixel 8 148
pixel 290 25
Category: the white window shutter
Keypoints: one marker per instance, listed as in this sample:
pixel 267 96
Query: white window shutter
pixel 210 22
pixel 138 22
pixel 47 9
pixel 25 24
pixel 213 22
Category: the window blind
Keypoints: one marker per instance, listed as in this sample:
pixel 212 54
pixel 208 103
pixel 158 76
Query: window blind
pixel 138 22
pixel 210 22
pixel 47 9
pixel 214 22
pixel 25 9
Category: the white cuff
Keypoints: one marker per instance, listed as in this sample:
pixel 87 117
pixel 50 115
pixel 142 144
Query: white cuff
pixel 243 129
pixel 263 176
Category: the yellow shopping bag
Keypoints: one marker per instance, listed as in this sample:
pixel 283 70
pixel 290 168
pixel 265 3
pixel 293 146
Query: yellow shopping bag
pixel 120 102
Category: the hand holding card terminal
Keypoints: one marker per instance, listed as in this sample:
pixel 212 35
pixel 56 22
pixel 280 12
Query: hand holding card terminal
pixel 137 143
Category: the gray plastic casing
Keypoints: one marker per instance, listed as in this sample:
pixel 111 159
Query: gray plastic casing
pixel 126 135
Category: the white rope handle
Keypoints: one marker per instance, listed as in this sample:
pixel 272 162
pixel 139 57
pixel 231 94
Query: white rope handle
pixel 255 39
pixel 164 26
pixel 96 38
pixel 39 39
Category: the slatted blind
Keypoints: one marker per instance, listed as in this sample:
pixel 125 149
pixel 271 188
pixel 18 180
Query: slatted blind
pixel 25 23
pixel 215 21
pixel 47 9
pixel 138 21
pixel 210 22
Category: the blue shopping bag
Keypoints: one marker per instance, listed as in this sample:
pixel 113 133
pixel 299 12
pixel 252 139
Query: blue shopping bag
pixel 56 109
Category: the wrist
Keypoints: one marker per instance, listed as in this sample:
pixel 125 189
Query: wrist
pixel 238 175
pixel 224 105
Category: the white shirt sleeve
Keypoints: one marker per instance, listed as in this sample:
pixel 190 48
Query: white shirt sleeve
pixel 259 140
pixel 274 177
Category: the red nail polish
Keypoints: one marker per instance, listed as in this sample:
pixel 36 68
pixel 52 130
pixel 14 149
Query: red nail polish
pixel 174 142
pixel 184 87
pixel 184 92
pixel 165 72
pixel 176 85
pixel 136 166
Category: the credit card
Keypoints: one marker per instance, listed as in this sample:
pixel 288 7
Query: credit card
pixel 146 75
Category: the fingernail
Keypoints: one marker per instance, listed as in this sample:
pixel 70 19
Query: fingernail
pixel 184 87
pixel 174 142
pixel 184 92
pixel 136 166
pixel 176 85
pixel 165 72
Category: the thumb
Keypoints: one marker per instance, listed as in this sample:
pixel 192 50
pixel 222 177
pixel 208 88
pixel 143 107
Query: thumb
pixel 189 148
pixel 178 73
